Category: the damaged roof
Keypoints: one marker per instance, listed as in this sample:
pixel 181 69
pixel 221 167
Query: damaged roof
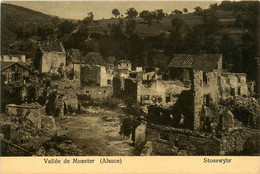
pixel 203 62
pixel 75 56
pixel 51 46
pixel 94 58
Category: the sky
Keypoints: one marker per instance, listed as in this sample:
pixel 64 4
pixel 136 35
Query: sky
pixel 103 9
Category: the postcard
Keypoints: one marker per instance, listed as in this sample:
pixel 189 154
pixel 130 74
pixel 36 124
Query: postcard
pixel 130 87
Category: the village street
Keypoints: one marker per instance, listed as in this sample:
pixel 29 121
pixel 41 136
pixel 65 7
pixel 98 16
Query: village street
pixel 96 133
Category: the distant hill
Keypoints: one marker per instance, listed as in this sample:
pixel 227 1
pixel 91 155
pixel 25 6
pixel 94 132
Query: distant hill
pixel 145 30
pixel 189 21
pixel 21 14
pixel 17 22
pixel 14 18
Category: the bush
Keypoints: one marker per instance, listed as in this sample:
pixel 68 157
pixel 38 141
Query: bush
pixel 111 102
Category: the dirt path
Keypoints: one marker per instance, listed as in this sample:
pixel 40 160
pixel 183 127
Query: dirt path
pixel 96 134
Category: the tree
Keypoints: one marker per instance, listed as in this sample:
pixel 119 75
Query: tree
pixel 115 12
pixel 159 15
pixel 88 20
pixel 131 13
pixel 198 10
pixel 176 24
pixel 231 53
pixel 130 27
pixel 174 43
pixel 177 11
pixel 211 23
pixel 66 27
pixel 226 5
pixel 213 7
pixel 55 21
pixel 147 16
pixel 185 10
pixel 193 40
pixel 116 31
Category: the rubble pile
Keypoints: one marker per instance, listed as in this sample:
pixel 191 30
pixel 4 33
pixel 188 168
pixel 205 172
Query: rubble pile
pixel 95 110
pixel 22 132
pixel 65 83
pixel 59 146
pixel 245 110
pixel 29 128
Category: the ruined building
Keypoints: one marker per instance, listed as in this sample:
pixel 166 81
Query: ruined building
pixel 147 87
pixel 93 75
pixel 197 84
pixel 74 61
pixel 122 68
pixel 110 68
pixel 124 65
pixel 13 72
pixel 52 55
pixel 198 119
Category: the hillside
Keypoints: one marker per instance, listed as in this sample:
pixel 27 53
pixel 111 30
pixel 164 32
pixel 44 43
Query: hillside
pixel 21 14
pixel 17 22
pixel 145 30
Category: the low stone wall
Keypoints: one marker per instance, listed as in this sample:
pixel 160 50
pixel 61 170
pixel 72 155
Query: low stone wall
pixel 241 142
pixel 26 112
pixel 171 141
pixel 20 114
pixel 97 92
pixel 65 83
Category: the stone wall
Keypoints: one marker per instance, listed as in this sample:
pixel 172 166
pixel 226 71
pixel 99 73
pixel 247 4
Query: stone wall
pixel 240 142
pixel 124 64
pixel 118 86
pixel 76 71
pixel 52 59
pixel 93 75
pixel 234 84
pixel 130 89
pixel 32 112
pixel 197 90
pixel 149 92
pixel 98 92
pixel 65 84
pixel 103 76
pixel 211 86
pixel 172 141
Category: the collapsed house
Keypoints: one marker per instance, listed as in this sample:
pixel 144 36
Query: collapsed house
pixel 200 76
pixel 32 114
pixel 146 87
pixel 93 75
pixel 209 82
pixel 90 69
pixel 52 54
pixel 188 104
pixel 122 68
pixel 74 61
